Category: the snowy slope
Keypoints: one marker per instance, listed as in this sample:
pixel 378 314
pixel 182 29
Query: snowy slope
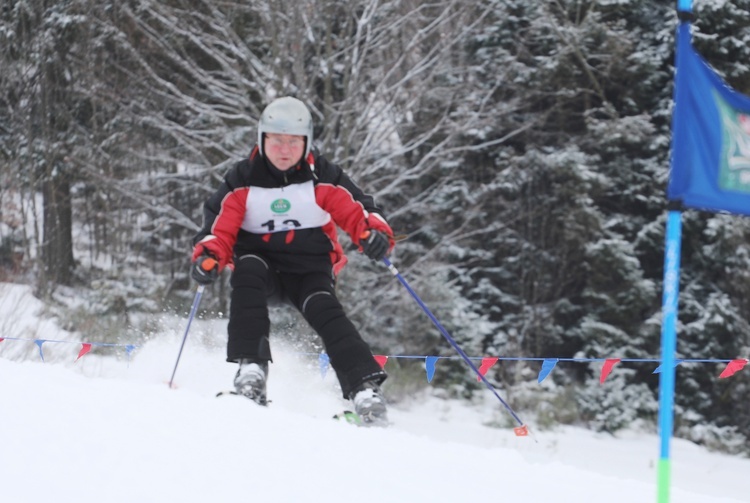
pixel 106 429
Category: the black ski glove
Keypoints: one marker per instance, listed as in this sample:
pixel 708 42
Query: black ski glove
pixel 205 270
pixel 375 245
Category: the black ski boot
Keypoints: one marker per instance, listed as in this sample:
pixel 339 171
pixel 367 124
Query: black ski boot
pixel 250 380
pixel 369 404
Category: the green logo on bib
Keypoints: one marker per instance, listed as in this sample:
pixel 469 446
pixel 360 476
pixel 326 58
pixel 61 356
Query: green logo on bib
pixel 280 206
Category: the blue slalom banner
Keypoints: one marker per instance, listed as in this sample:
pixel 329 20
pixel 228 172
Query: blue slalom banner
pixel 710 167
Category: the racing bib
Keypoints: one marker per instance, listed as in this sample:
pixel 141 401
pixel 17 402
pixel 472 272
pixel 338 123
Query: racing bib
pixel 280 210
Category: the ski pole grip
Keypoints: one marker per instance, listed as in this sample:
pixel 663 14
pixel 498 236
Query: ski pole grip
pixel 364 235
pixel 208 264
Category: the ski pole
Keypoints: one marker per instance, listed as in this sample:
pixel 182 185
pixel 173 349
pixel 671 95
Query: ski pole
pixel 522 430
pixel 196 301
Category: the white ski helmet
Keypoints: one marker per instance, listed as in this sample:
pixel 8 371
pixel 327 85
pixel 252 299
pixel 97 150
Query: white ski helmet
pixel 286 116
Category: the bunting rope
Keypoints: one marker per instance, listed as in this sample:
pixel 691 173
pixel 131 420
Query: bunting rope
pixel 548 364
pixel 486 362
pixel 85 346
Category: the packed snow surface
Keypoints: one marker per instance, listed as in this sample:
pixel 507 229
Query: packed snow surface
pixel 109 429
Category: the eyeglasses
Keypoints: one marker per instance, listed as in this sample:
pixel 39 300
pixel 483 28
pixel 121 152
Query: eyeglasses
pixel 288 141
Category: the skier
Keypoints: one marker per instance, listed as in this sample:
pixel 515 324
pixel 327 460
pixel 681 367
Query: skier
pixel 273 221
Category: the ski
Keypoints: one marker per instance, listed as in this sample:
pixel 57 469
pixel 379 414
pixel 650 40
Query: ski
pixel 234 393
pixel 346 416
pixel 226 392
pixel 349 417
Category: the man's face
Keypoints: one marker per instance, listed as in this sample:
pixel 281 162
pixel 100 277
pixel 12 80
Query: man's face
pixel 284 150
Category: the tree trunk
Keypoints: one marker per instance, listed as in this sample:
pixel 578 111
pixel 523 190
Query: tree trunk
pixel 57 248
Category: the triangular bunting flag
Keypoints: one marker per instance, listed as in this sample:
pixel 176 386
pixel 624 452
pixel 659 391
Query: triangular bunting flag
pixel 39 343
pixel 733 367
pixel 323 361
pixel 85 348
pixel 487 363
pixel 429 366
pixel 129 351
pixel 607 368
pixel 382 360
pixel 547 365
pixel 659 368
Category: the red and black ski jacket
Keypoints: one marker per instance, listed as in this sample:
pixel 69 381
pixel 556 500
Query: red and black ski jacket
pixel 288 217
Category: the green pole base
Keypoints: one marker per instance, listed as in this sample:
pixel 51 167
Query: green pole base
pixel 664 480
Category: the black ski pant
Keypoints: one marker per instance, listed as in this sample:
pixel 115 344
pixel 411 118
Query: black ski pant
pixel 254 283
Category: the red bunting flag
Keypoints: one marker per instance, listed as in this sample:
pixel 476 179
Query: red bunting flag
pixel 382 360
pixel 85 348
pixel 733 367
pixel 607 368
pixel 487 363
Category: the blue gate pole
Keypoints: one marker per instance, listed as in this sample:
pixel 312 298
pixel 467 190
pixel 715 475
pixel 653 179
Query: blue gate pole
pixel 670 299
